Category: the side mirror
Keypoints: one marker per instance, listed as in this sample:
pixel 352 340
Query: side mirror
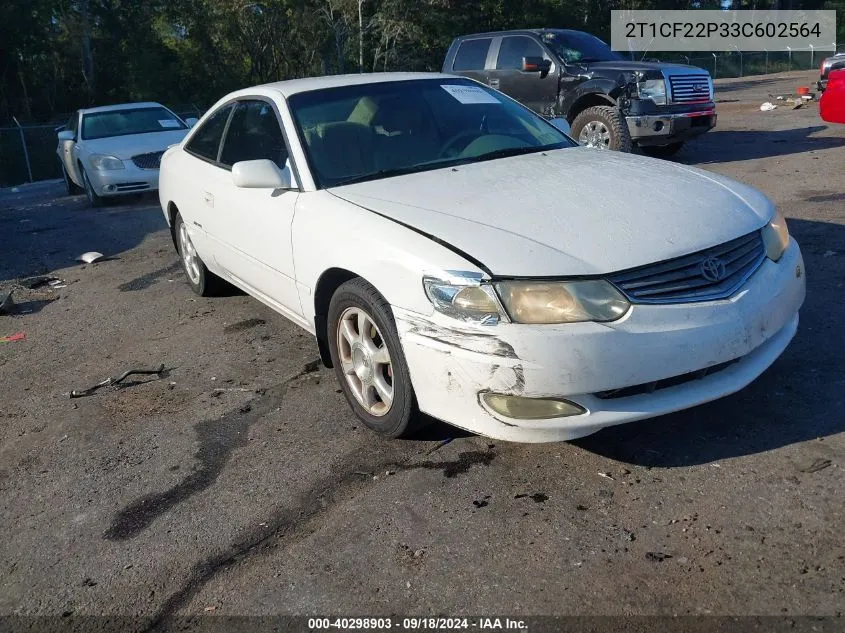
pixel 259 174
pixel 191 121
pixel 67 135
pixel 561 123
pixel 536 65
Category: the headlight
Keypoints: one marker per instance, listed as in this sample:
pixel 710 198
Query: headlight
pixel 561 302
pixel 654 89
pixel 102 162
pixel 776 237
pixel 463 296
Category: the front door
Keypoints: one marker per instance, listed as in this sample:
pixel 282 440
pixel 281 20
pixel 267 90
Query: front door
pixel 536 90
pixel 253 226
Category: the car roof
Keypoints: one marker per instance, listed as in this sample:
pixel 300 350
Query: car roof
pixel 295 86
pixel 121 106
pixel 517 32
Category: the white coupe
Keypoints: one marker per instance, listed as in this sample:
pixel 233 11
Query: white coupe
pixel 115 150
pixel 456 254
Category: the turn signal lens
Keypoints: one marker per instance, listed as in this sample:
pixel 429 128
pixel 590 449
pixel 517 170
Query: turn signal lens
pixel 465 299
pixel 521 408
pixel 776 237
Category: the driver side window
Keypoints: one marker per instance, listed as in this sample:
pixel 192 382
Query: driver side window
pixel 513 49
pixel 254 133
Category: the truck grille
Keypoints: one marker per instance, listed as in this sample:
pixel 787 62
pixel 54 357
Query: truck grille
pixel 690 88
pixel 714 273
pixel 148 161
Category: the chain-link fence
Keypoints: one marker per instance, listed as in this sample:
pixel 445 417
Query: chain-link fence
pixel 28 152
pixel 740 64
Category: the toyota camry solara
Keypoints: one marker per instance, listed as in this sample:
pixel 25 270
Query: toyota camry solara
pixel 456 254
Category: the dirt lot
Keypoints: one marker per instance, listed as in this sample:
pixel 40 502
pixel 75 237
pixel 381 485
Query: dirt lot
pixel 240 483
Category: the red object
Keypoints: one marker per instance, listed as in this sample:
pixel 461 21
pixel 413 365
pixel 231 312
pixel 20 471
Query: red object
pixel 802 90
pixel 18 336
pixel 832 104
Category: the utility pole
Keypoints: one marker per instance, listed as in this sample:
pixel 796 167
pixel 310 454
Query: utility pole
pixel 360 37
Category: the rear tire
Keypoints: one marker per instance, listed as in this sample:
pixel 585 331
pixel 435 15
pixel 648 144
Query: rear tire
pixel 662 151
pixel 202 281
pixel 93 199
pixel 368 359
pixel 602 127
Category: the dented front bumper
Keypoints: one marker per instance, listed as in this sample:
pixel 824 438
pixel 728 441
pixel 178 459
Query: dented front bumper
pixel 452 363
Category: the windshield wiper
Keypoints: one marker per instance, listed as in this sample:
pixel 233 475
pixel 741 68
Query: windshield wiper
pixel 504 153
pixel 382 173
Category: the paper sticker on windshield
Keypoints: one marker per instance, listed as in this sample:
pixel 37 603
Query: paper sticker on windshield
pixel 470 94
pixel 168 123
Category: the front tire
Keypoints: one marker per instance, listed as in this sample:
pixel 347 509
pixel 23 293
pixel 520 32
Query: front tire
pixel 93 199
pixel 662 151
pixel 71 187
pixel 202 281
pixel 602 127
pixel 368 359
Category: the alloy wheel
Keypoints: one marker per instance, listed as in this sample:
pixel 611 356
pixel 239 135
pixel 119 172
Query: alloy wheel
pixel 189 254
pixel 595 134
pixel 365 361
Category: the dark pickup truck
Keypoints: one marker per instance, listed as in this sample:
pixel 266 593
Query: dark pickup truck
pixel 609 101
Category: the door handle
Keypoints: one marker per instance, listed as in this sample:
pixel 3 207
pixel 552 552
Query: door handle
pixel 494 83
pixel 208 198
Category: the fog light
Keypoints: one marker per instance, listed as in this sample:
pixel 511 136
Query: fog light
pixel 110 187
pixel 658 125
pixel 521 408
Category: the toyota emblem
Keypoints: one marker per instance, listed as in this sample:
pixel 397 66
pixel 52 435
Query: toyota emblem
pixel 713 269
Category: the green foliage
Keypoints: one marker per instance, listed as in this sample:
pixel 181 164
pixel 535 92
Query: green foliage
pixel 59 55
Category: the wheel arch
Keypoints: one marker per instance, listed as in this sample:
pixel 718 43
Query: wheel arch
pixel 327 285
pixel 172 210
pixel 588 101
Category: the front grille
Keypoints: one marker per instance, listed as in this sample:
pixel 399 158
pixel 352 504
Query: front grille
pixel 690 88
pixel 674 381
pixel 714 273
pixel 148 161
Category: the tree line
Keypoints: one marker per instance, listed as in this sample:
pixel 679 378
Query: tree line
pixel 60 55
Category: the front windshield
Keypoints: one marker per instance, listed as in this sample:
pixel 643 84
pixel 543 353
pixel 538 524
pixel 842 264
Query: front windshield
pixel 370 131
pixel 574 47
pixel 125 122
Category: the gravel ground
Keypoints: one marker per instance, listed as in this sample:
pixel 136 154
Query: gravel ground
pixel 239 483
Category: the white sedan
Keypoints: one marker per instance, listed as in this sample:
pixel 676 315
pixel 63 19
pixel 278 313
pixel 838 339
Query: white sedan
pixel 115 150
pixel 455 254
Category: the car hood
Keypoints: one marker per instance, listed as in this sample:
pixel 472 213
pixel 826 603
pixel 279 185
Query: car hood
pixel 126 147
pixel 574 211
pixel 632 66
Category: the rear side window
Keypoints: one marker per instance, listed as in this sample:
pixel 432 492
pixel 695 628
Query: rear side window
pixel 472 54
pixel 513 49
pixel 206 140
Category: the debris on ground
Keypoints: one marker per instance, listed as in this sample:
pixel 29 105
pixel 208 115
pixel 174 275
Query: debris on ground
pixel 767 106
pixel 33 283
pixel 17 336
pixel 6 302
pixel 606 476
pixel 657 557
pixel 815 466
pixel 116 380
pixel 438 446
pixel 90 257
pixel 628 535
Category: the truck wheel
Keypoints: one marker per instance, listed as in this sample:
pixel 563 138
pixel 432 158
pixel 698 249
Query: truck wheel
pixel 662 151
pixel 602 127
